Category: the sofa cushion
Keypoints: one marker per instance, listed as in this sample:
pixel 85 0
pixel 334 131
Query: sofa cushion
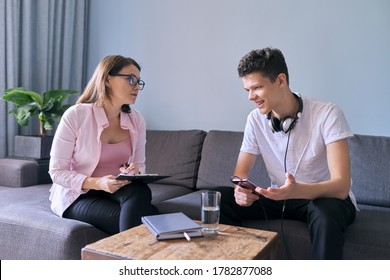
pixel 189 204
pixel 18 172
pixel 368 236
pixel 370 156
pixel 219 158
pixel 174 153
pixel 30 230
pixel 161 192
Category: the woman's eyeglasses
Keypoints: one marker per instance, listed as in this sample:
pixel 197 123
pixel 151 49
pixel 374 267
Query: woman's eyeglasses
pixel 133 80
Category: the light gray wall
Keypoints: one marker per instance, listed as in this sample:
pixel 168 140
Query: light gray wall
pixel 336 50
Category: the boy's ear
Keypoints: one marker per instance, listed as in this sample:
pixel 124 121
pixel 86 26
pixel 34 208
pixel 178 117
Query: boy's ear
pixel 281 79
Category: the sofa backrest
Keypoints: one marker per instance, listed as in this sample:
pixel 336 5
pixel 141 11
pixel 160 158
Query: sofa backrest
pixel 219 158
pixel 370 157
pixel 175 153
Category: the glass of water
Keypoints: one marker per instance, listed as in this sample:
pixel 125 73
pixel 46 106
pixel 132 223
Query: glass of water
pixel 211 202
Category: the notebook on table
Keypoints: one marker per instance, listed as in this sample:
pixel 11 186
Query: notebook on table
pixel 172 226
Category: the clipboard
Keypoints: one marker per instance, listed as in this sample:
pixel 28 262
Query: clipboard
pixel 146 178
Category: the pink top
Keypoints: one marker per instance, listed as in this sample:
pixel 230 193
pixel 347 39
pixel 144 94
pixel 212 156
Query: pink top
pixel 112 157
pixel 76 150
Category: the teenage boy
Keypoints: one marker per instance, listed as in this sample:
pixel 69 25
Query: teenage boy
pixel 304 144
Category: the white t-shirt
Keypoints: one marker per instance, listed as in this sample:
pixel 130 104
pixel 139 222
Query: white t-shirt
pixel 320 124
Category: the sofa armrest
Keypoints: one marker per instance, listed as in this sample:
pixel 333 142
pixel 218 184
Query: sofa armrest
pixel 18 173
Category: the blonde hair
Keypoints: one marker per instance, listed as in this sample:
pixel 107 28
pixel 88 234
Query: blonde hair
pixel 96 91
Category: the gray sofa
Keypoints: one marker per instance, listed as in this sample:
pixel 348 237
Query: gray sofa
pixel 197 161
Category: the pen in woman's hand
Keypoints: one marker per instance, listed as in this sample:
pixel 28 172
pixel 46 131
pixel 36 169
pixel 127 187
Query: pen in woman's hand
pixel 127 164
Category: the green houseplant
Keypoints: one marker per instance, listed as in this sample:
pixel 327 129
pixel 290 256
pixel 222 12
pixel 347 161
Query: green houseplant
pixel 48 107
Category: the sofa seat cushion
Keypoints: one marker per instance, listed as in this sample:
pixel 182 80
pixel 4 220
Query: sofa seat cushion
pixel 369 236
pixel 30 230
pixel 161 192
pixel 174 153
pixel 189 204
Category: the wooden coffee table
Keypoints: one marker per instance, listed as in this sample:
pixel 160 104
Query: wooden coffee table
pixel 232 242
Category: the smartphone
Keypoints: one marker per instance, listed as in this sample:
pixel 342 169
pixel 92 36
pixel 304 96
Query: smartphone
pixel 244 183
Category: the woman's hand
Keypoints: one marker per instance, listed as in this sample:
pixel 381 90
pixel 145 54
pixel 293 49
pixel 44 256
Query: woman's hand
pixel 107 183
pixel 130 169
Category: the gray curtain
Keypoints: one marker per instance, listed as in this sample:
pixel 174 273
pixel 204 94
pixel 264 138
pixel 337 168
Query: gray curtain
pixel 42 47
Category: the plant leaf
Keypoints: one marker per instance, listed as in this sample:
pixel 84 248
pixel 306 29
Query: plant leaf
pixel 57 95
pixel 22 115
pixel 20 96
pixel 48 106
pixel 48 124
pixel 12 89
pixel 42 117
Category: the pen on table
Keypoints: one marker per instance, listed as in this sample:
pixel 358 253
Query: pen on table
pixel 187 236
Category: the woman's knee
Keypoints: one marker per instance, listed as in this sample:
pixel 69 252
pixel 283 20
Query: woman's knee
pixel 135 189
pixel 143 190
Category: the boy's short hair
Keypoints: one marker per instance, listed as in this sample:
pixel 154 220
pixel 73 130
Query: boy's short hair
pixel 269 62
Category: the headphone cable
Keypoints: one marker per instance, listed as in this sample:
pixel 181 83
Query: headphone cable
pixel 285 154
pixel 284 202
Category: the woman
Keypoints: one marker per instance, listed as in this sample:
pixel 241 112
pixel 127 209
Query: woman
pixel 96 139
